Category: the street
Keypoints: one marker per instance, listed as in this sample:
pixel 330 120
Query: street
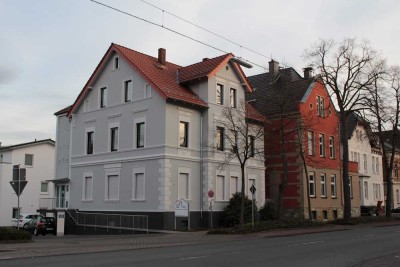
pixel 368 246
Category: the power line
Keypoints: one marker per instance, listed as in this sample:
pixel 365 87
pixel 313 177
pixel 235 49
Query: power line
pixel 171 30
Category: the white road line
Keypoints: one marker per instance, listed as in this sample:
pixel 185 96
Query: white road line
pixel 397 257
pixel 306 243
pixel 192 258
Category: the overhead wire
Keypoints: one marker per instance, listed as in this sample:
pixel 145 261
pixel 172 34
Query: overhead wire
pixel 173 31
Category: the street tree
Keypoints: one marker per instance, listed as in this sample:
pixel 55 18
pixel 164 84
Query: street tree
pixel 348 69
pixel 243 132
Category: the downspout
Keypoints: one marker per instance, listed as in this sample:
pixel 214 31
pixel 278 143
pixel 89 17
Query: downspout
pixel 201 162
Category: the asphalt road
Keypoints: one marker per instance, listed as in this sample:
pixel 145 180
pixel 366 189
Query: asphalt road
pixel 373 246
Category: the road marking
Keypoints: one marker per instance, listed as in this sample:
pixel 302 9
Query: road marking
pixel 397 257
pixel 306 243
pixel 192 258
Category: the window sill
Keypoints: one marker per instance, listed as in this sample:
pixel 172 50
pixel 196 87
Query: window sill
pixel 313 197
pixel 325 197
pixel 138 200
pixel 111 200
pixel 44 193
pixel 87 200
pixel 334 197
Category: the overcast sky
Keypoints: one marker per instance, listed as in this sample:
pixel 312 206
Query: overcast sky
pixel 50 48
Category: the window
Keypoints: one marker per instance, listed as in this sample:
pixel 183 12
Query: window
pixel 220 94
pixel 235 146
pixel 220 190
pixel 250 183
pixel 325 215
pixel 88 188
pixel 310 138
pixel 112 187
pixel 358 160
pixel 377 165
pixel 314 214
pixel 396 171
pixel 397 196
pixel 377 191
pixel 335 214
pixel 140 134
pixel 220 138
pixel 15 212
pixel 183 185
pixel 311 179
pixel 28 160
pixel 365 189
pixel 116 63
pixel 365 163
pixel 103 97
pixel 233 98
pixel 147 92
pixel 138 186
pixel 89 142
pixel 320 106
pixel 321 145
pixel 351 186
pixel 44 187
pixel 251 146
pixel 234 185
pixel 128 91
pixel 114 139
pixel 323 185
pixel 333 185
pixel 183 133
pixel 331 147
pixel 373 165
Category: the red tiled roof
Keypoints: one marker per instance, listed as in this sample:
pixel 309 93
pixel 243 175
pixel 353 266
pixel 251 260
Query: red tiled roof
pixel 203 68
pixel 253 114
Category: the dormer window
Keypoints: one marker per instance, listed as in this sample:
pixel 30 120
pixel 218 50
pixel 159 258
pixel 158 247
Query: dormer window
pixel 116 63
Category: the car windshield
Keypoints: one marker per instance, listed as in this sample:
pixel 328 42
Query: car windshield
pixel 50 219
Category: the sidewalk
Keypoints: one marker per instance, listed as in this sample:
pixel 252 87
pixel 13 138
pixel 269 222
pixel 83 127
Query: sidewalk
pixel 73 244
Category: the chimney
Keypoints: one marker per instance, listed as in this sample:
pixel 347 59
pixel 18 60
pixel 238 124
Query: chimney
pixel 161 56
pixel 273 70
pixel 308 73
pixel 205 59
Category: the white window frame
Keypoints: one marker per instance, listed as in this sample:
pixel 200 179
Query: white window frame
pixel 116 59
pixel 235 176
pixel 377 165
pixel 135 171
pixel 311 182
pixel 147 90
pixel 218 196
pixel 365 158
pixel 44 192
pixel 332 147
pixel 185 170
pixel 33 158
pixel 234 96
pixel 110 172
pixel 87 130
pixel 135 122
pixel 351 186
pixel 85 175
pixel 321 145
pixel 86 105
pixel 333 185
pixel 110 126
pixel 365 187
pixel 323 184
pixel 222 102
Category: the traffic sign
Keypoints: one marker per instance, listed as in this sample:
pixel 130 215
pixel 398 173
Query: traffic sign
pixel 210 193
pixel 18 186
pixel 253 189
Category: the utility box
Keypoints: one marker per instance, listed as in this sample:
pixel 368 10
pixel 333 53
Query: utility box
pixel 60 223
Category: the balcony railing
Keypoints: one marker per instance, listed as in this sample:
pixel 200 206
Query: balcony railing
pixel 53 203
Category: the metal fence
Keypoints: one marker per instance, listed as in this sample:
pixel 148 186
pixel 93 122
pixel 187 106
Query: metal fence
pixel 112 221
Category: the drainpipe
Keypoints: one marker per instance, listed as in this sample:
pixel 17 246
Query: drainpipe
pixel 201 162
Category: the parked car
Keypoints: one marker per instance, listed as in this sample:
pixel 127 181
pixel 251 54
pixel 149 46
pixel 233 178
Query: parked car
pixel 42 225
pixel 24 219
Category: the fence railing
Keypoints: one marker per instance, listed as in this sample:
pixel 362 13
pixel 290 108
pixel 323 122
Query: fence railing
pixel 53 203
pixel 112 221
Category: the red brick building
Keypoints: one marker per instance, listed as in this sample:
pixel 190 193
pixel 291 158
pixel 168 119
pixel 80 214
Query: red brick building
pixel 304 125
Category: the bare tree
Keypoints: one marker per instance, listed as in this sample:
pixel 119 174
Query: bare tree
pixel 243 132
pixel 384 108
pixel 348 69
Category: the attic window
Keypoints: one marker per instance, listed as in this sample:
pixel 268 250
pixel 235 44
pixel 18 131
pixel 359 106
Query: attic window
pixel 116 63
pixel 311 106
pixel 227 67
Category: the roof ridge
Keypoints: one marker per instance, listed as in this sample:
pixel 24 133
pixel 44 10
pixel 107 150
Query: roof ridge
pixel 143 54
pixel 223 55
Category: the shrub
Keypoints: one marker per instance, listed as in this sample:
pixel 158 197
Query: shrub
pixel 13 234
pixel 232 210
pixel 269 211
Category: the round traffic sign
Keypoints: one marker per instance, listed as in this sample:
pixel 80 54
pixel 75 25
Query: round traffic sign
pixel 210 193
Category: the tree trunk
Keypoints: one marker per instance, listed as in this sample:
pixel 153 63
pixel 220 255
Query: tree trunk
pixel 345 169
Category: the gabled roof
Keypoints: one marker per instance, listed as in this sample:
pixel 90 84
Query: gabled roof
pixel 285 94
pixel 162 78
pixel 36 142
pixel 63 111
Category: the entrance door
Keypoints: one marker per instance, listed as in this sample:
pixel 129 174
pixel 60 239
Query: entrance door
pixel 62 196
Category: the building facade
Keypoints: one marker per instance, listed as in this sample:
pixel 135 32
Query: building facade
pixel 38 159
pixel 303 153
pixel 145 132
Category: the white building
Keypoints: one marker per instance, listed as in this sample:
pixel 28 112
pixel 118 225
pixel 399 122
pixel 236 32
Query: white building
pixel 38 159
pixel 369 158
pixel 144 132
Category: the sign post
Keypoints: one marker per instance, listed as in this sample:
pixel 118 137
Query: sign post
pixel 253 191
pixel 18 183
pixel 211 195
pixel 182 210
